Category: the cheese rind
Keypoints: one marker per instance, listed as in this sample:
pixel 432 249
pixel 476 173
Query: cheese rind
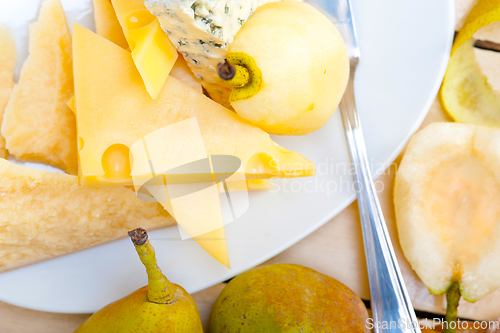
pixel 7 63
pixel 47 214
pixel 201 30
pixel 115 111
pixel 37 124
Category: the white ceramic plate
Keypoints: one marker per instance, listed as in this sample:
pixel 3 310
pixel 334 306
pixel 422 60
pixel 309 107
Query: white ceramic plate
pixel 404 46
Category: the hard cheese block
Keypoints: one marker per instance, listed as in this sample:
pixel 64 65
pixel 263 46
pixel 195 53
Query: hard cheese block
pixel 153 53
pixel 37 123
pixel 7 63
pixel 47 214
pixel 201 31
pixel 115 111
pixel 106 23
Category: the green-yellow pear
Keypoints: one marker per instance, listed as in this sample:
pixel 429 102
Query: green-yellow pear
pixel 447 204
pixel 286 298
pixel 290 68
pixel 161 306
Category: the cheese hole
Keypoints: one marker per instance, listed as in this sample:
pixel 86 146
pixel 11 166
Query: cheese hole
pixel 139 19
pixel 81 143
pixel 116 162
pixel 263 164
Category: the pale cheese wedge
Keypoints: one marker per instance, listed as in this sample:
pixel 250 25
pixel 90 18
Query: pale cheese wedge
pixel 7 63
pixel 47 214
pixel 153 53
pixel 37 124
pixel 106 23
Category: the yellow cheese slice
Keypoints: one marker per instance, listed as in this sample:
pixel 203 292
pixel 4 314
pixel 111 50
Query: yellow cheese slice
pixel 153 53
pixel 182 73
pixel 7 63
pixel 37 123
pixel 195 206
pixel 115 111
pixel 47 214
pixel 106 23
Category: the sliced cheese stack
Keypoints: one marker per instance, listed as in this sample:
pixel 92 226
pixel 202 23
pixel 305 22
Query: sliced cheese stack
pixel 37 124
pixel 202 31
pixel 53 215
pixel 153 53
pixel 7 63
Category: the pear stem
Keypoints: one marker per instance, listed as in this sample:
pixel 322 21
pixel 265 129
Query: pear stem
pixel 160 289
pixel 235 75
pixel 452 300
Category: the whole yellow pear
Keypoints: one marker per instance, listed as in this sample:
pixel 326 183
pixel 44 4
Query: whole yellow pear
pixel 161 306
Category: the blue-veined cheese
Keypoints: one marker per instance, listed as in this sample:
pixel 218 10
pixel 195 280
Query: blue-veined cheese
pixel 201 30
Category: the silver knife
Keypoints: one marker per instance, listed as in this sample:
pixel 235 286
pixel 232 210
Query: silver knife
pixel 390 304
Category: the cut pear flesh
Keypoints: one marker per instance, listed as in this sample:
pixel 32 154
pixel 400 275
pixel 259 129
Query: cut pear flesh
pixel 466 94
pixel 447 201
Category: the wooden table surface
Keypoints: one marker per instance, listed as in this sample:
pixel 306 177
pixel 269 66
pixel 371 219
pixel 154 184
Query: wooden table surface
pixel 335 249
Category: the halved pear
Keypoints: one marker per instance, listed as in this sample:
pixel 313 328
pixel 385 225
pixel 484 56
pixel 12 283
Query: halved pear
pixel 447 201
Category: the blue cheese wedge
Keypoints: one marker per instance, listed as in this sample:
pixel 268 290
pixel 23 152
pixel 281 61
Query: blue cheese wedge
pixel 201 30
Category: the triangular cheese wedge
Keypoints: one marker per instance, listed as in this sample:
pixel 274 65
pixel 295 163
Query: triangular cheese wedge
pixel 195 206
pixel 7 63
pixel 47 214
pixel 153 53
pixel 115 111
pixel 106 23
pixel 181 72
pixel 37 124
